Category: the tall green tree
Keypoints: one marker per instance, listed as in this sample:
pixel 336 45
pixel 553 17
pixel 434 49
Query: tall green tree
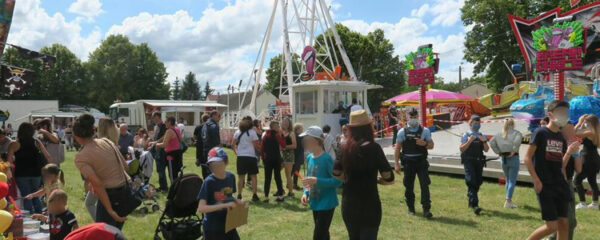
pixel 190 90
pixel 64 79
pixel 176 92
pixel 491 40
pixel 273 73
pixel 118 69
pixel 207 90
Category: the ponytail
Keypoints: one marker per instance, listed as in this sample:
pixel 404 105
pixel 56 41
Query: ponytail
pixel 61 177
pixel 53 169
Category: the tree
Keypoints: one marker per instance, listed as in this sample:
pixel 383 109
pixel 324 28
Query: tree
pixel 131 71
pixel 207 90
pixel 491 40
pixel 190 90
pixel 176 90
pixel 273 73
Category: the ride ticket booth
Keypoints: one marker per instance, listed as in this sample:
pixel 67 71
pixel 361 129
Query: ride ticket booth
pixel 315 102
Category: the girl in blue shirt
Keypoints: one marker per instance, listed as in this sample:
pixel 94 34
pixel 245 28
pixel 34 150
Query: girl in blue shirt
pixel 319 185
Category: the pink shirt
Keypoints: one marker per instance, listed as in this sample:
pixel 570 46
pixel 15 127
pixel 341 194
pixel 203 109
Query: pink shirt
pixel 173 143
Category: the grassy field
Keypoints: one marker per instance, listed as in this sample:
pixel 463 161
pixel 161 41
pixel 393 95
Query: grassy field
pixel 291 220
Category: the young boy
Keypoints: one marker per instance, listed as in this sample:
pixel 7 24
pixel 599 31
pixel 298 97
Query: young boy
pixel 544 160
pixel 216 196
pixel 61 220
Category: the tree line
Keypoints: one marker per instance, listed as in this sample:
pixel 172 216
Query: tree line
pixel 116 70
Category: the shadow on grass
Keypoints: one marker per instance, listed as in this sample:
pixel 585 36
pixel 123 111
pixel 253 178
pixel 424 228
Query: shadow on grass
pixel 455 221
pixel 286 205
pixel 506 215
pixel 531 209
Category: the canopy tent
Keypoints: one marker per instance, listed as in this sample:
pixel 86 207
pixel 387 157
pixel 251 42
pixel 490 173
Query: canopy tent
pixel 437 97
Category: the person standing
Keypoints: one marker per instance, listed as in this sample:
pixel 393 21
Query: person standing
pixel 181 126
pixel 25 154
pixel 125 139
pixel 591 160
pixel 103 168
pixel 288 154
pixel 69 137
pixel 159 154
pixel 4 143
pixel 358 166
pixel 320 185
pixel 198 139
pixel 299 158
pixel 544 159
pixel 507 144
pixel 329 142
pixel 392 115
pixel 271 144
pixel 473 145
pixel 171 143
pixel 355 106
pixel 245 143
pixel 210 138
pixel 414 141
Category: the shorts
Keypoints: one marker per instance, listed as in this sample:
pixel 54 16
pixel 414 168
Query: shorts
pixel 247 165
pixel 554 202
pixel 288 156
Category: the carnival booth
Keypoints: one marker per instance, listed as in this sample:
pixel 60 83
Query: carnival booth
pixel 443 106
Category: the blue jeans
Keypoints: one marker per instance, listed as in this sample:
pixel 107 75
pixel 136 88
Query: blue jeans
pixel 28 185
pixel 510 166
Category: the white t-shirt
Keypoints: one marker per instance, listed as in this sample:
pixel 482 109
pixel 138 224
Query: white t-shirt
pixel 245 146
pixel 330 145
pixel 355 107
pixel 181 128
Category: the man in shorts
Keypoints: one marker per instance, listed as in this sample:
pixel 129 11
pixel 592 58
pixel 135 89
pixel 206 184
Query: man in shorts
pixel 544 160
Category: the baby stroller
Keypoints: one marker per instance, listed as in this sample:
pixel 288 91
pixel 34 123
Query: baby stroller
pixel 140 170
pixel 180 221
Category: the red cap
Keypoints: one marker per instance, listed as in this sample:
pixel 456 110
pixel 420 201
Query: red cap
pixel 96 231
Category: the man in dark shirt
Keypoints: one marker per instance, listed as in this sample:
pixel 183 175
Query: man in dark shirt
pixel 393 120
pixel 198 139
pixel 161 162
pixel 210 139
pixel 544 160
pixel 125 139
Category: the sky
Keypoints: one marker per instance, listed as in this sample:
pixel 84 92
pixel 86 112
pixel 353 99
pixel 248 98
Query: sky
pixel 219 40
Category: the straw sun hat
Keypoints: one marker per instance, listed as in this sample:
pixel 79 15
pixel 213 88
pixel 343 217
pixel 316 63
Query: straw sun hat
pixel 359 118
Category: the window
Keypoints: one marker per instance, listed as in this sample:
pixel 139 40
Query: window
pixel 123 112
pixel 306 102
pixel 326 102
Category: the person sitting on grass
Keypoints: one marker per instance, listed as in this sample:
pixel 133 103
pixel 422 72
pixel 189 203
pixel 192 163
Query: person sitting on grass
pixel 320 185
pixel 61 220
pixel 53 179
pixel 544 160
pixel 216 196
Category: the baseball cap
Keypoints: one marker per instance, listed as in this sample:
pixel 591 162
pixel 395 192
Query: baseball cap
pixel 313 131
pixel 96 231
pixel 216 154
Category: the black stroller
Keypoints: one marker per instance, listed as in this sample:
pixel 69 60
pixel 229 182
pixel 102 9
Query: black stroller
pixel 179 220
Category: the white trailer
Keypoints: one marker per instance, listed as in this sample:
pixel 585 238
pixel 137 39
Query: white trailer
pixel 20 110
pixel 138 113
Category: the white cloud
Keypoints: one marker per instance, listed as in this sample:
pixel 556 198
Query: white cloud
pixel 445 12
pixel 86 8
pixel 420 12
pixel 33 28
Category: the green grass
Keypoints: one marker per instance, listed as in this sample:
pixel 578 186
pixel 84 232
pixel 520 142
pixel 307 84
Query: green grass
pixel 291 220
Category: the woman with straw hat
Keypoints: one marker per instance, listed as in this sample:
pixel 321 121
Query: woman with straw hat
pixel 358 166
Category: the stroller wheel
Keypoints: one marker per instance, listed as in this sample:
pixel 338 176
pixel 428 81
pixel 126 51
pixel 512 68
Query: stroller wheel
pixel 156 237
pixel 155 207
pixel 144 210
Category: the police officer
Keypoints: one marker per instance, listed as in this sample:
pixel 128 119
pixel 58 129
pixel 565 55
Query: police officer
pixel 413 141
pixel 473 144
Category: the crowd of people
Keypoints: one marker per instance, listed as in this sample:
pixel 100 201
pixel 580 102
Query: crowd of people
pixel 352 161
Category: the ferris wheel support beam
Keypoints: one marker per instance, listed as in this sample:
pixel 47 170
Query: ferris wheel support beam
pixel 287 54
pixel 338 41
pixel 262 58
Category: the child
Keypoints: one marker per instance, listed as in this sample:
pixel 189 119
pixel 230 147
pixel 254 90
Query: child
pixel 216 196
pixel 61 220
pixel 52 175
pixel 320 186
pixel 544 160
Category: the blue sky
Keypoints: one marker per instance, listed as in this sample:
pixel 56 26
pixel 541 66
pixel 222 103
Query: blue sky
pixel 218 40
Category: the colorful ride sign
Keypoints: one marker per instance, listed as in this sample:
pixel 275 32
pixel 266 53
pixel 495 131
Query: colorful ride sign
pixel 421 76
pixel 561 59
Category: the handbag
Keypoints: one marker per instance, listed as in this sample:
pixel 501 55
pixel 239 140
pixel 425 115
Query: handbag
pixel 57 151
pixel 123 200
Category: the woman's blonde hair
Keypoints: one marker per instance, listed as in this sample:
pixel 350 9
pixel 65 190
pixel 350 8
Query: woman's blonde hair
pixel 508 125
pixel 108 129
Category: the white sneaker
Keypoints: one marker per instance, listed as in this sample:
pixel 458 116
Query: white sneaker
pixel 581 205
pixel 510 205
pixel 593 206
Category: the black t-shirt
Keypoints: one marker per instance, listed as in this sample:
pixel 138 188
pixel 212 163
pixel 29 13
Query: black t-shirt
pixel 551 147
pixel 61 225
pixel 392 114
pixel 160 130
pixel 199 146
pixel 360 197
